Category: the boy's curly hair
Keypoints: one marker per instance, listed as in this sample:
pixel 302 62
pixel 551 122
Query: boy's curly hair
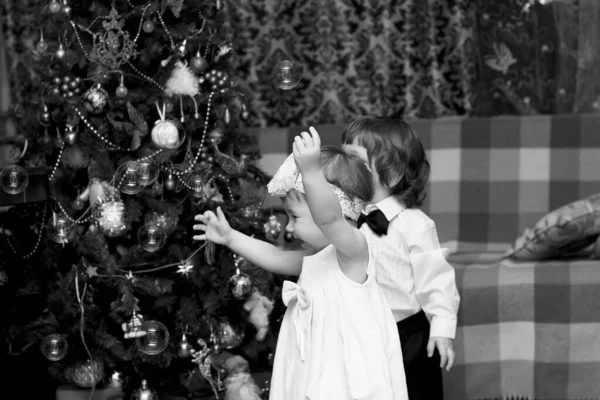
pixel 345 170
pixel 396 153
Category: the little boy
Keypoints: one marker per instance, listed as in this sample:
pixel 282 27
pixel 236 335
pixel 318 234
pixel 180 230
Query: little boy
pixel 411 268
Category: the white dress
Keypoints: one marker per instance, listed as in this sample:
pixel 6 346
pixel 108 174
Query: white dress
pixel 338 339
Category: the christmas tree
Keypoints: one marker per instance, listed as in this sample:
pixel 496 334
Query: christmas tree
pixel 130 122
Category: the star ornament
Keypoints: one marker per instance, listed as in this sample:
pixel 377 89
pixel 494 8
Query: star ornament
pixel 185 268
pixel 91 271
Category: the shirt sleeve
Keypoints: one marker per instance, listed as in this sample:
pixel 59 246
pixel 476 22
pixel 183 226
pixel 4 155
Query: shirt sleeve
pixel 435 281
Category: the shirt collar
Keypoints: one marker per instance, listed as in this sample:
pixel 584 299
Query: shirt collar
pixel 390 207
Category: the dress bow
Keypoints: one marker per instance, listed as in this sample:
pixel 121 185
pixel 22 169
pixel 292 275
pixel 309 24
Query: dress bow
pixel 301 315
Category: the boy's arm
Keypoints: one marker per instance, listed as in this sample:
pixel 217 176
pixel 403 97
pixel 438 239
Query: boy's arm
pixel 266 255
pixel 435 281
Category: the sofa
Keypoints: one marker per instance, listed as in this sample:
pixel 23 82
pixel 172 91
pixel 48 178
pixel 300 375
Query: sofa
pixel 526 329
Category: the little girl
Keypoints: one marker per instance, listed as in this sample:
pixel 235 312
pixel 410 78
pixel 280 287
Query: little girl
pixel 338 338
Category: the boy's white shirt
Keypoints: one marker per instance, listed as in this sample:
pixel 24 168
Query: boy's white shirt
pixel 411 267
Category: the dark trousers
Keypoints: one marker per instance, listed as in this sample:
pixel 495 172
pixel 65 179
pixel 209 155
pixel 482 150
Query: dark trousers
pixel 423 374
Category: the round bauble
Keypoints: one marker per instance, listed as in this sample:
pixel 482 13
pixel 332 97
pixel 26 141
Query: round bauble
pixel 121 91
pixel 167 134
pixel 215 136
pixel 148 26
pixel 54 6
pixel 87 374
pixel 198 63
pixel 95 99
pixel 240 285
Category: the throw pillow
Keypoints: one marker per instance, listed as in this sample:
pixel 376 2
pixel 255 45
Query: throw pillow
pixel 564 231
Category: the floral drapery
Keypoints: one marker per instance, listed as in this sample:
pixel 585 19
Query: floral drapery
pixel 409 58
pixel 578 66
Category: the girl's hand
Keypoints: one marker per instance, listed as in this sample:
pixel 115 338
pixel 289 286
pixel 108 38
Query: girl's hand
pixel 216 228
pixel 307 151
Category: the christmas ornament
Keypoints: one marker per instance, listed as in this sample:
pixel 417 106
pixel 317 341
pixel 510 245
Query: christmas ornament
pixel 167 134
pixel 288 237
pixel 185 268
pixel 182 81
pixel 198 64
pixel 115 380
pixel 219 81
pixel 41 46
pixel 223 50
pixel 14 179
pixel 182 48
pixel 244 114
pixel 128 178
pixel 147 172
pixel 91 271
pixel 110 217
pixel 286 75
pixel 97 192
pixel 61 229
pixel 240 386
pixel 144 393
pixel 240 284
pixel 228 163
pixel 151 237
pixel 170 182
pixel 78 204
pixel 87 374
pixel 54 347
pixel 272 228
pixel 205 358
pixel 215 136
pixel 46 139
pixel 45 116
pixel 132 328
pixel 66 9
pixel 184 348
pixel 74 157
pixel 156 339
pixel 163 220
pixel 54 6
pixel 70 135
pixel 65 85
pixel 95 99
pixel 266 387
pixel 259 307
pixel 196 185
pixel 228 337
pixel 250 211
pixel 148 26
pixel 60 52
pixel 121 90
pixel 112 47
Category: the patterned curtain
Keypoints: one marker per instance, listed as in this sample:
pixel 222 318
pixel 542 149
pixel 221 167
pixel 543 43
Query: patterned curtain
pixel 407 58
pixel 578 26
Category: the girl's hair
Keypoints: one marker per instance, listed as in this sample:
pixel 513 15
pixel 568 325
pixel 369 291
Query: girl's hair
pixel 396 153
pixel 346 171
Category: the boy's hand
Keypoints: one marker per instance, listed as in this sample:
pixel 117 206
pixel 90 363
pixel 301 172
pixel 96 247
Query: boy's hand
pixel 445 347
pixel 307 151
pixel 215 227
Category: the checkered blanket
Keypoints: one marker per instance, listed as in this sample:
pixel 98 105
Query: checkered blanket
pixel 526 330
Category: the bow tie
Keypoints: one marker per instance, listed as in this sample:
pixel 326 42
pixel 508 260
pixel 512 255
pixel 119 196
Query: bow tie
pixel 376 221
